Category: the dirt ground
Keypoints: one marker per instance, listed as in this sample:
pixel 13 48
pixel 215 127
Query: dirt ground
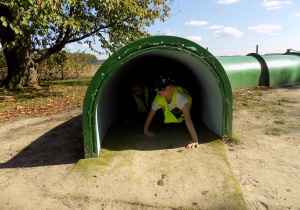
pixel 42 165
pixel 267 163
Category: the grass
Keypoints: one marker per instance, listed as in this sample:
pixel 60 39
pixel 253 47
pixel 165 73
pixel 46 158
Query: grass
pixel 280 121
pixel 121 147
pixel 43 99
pixel 71 82
pixel 89 167
pixel 247 98
pixel 22 149
pixel 231 184
pixel 287 100
pixel 252 99
pixel 273 110
pixel 231 139
pixel 276 132
pixel 277 111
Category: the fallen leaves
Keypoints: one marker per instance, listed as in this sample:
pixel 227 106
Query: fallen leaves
pixel 40 101
pixel 204 192
pixel 161 181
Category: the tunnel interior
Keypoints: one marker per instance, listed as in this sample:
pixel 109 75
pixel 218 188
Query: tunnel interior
pixel 192 73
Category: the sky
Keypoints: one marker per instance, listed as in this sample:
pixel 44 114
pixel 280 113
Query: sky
pixel 230 27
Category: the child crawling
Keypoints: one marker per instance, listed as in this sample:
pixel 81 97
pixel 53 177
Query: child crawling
pixel 176 104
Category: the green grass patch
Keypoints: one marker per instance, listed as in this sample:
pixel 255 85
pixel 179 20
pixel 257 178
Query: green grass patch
pixel 277 111
pixel 274 132
pixel 89 166
pixel 22 149
pixel 231 139
pixel 246 98
pixel 287 100
pixel 93 166
pixel 113 146
pixel 231 183
pixel 280 121
pixel 70 82
pixel 268 109
pixel 273 110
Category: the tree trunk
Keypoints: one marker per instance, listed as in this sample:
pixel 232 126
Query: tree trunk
pixel 21 67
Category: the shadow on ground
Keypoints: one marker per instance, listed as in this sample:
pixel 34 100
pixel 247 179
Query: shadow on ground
pixel 64 143
pixel 61 145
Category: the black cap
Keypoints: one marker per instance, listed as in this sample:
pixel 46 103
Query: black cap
pixel 164 80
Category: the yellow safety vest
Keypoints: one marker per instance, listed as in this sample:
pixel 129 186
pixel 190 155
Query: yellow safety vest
pixel 141 107
pixel 169 117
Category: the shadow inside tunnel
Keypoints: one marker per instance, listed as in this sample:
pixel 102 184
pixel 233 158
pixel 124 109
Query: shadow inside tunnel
pixel 168 136
pixel 61 145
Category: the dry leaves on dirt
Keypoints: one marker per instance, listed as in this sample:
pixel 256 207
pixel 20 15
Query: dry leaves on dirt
pixel 41 100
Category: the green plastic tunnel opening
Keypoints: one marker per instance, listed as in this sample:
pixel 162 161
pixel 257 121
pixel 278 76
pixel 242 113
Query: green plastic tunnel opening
pixel 199 72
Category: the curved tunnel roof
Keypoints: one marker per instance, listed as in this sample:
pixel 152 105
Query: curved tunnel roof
pixel 200 72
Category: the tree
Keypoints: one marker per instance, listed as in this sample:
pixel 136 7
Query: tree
pixel 63 65
pixel 32 30
pixel 82 57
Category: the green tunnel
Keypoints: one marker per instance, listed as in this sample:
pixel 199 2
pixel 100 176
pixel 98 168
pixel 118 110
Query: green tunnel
pixel 200 72
pixel 210 81
pixel 262 70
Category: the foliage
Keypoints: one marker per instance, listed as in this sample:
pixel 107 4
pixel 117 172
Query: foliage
pixel 82 57
pixel 54 23
pixel 3 68
pixel 64 65
pixel 61 65
pixel 51 66
pixel 32 30
pixel 2 60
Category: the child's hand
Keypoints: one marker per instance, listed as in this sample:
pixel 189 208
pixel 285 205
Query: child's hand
pixel 149 134
pixel 192 144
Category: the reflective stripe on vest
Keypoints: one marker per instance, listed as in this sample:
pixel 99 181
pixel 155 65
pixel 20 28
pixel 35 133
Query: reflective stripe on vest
pixel 140 106
pixel 169 117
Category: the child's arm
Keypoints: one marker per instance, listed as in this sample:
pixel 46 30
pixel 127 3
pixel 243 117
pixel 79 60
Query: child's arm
pixel 190 126
pixel 147 124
